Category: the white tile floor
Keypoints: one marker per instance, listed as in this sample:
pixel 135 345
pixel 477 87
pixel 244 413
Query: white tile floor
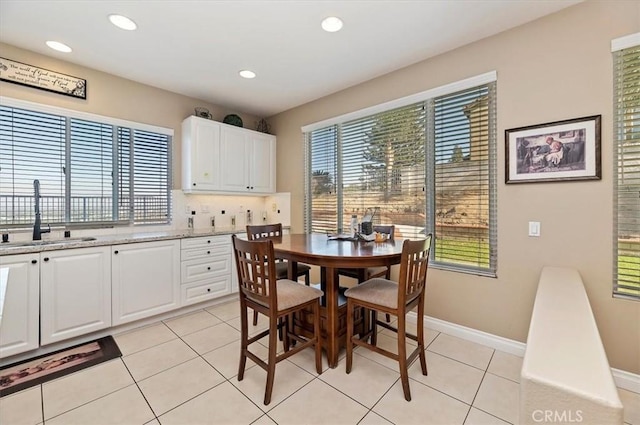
pixel 183 371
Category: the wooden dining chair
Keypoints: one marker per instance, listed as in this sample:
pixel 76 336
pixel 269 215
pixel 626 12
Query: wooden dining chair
pixel 278 299
pixel 260 231
pixel 386 296
pixel 363 275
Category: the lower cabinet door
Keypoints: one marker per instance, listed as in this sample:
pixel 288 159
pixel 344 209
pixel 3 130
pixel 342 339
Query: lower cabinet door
pixel 19 327
pixel 75 293
pixel 145 279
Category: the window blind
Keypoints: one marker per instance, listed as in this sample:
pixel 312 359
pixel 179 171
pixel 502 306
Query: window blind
pixel 384 166
pixel 323 174
pixel 89 171
pixel 32 146
pixel 626 107
pixel 462 213
pixel 151 182
pixel 429 167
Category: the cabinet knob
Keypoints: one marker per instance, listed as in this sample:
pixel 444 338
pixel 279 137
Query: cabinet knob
pixel 251 187
pixel 247 187
pixel 115 252
pixel 208 252
pixel 208 241
pixel 208 289
pixel 34 261
pixel 46 258
pixel 208 268
pixel 194 184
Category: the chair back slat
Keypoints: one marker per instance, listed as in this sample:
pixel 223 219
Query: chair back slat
pixel 255 263
pixel 261 231
pixel 413 269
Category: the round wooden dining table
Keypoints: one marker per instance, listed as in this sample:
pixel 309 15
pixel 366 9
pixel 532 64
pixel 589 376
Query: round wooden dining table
pixel 330 255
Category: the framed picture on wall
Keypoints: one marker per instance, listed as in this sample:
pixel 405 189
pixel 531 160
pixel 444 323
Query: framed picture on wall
pixel 557 151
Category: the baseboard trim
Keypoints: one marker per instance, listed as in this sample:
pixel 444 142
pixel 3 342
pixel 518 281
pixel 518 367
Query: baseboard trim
pixel 623 379
pixel 626 380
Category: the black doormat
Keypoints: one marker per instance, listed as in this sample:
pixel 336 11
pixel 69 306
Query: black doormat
pixel 18 376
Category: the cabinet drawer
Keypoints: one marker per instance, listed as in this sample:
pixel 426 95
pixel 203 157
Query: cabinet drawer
pixel 188 243
pixel 204 252
pixel 205 290
pixel 194 270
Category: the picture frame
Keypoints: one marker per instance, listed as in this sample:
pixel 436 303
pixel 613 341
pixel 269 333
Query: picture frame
pixel 40 78
pixel 557 151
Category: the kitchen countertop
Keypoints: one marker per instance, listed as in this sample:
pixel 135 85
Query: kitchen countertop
pixel 105 240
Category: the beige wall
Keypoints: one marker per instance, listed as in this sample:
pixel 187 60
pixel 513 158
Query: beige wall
pixel 116 97
pixel 555 68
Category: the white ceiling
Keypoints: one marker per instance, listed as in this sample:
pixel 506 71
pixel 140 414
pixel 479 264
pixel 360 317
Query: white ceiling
pixel 196 48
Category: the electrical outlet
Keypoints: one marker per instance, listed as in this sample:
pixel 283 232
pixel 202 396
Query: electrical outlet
pixel 187 209
pixel 204 208
pixel 274 207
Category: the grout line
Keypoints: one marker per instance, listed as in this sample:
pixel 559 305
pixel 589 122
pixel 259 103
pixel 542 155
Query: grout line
pixel 140 389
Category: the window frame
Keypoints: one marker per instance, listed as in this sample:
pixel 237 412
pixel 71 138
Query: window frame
pixel 68 115
pixel 618 45
pixel 489 79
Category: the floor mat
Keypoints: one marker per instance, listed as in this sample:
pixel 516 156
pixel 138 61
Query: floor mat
pixel 18 376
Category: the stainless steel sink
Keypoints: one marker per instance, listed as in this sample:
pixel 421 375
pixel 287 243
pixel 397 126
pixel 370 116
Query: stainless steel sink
pixel 46 242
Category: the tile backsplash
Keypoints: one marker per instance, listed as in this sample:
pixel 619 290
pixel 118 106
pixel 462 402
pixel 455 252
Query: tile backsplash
pixel 264 209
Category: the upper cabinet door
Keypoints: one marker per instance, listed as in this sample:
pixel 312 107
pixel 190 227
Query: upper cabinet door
pixel 200 154
pixel 262 163
pixel 234 167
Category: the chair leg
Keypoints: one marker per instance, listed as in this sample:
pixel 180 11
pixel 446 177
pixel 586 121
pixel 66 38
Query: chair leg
pixel 388 277
pixel 316 333
pixel 349 335
pixel 244 335
pixel 423 359
pixel 271 364
pixel 307 279
pixel 374 327
pixel 402 357
pixel 255 318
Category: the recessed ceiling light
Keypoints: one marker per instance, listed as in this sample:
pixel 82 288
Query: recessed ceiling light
pixel 332 24
pixel 123 22
pixel 61 47
pixel 245 73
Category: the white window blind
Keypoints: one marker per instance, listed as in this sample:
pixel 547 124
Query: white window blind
pixel 90 172
pixel 151 183
pixel 429 167
pixel 322 204
pixel 462 211
pixel 32 146
pixel 627 172
pixel 383 166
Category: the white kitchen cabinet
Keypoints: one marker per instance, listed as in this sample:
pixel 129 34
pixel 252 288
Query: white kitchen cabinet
pixel 224 159
pixel 145 279
pixel 19 326
pixel 205 268
pixel 247 161
pixel 75 293
pixel 200 154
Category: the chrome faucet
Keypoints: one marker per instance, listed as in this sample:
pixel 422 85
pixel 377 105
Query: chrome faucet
pixel 37 231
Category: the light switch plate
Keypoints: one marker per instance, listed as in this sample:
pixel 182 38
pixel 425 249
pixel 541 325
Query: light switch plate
pixel 534 228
